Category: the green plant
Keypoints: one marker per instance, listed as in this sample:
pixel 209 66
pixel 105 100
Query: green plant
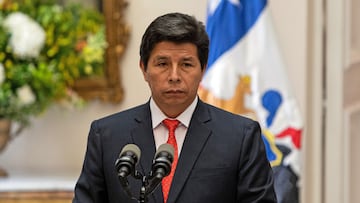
pixel 44 48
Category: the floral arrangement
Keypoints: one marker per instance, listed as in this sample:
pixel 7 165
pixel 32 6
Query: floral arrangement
pixel 44 48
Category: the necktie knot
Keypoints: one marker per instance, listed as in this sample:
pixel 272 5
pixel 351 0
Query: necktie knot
pixel 171 124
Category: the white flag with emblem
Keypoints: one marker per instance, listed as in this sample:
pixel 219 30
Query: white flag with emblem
pixel 246 75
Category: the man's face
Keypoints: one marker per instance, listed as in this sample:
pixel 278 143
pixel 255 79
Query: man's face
pixel 173 74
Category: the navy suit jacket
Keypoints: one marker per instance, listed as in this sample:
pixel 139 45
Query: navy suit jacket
pixel 222 160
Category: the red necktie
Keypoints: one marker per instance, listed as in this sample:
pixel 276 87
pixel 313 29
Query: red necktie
pixel 166 182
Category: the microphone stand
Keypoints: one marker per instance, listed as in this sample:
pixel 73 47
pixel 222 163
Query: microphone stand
pixel 143 194
pixel 145 189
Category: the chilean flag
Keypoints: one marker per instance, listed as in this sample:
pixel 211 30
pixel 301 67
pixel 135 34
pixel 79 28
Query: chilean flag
pixel 246 75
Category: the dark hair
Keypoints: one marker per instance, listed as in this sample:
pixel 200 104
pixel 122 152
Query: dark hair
pixel 178 28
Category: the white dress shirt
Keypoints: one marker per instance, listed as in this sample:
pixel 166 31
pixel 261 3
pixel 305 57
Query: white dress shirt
pixel 161 132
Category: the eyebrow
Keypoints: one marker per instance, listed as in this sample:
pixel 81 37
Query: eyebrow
pixel 186 58
pixel 161 57
pixel 190 58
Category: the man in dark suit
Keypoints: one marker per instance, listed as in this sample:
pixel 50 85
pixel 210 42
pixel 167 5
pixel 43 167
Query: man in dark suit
pixel 220 156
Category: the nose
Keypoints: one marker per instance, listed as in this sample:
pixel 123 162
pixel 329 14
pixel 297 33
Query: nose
pixel 174 75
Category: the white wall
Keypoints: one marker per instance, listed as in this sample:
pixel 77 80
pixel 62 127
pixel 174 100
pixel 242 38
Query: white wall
pixel 56 141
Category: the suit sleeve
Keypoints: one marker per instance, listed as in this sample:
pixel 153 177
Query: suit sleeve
pixel 90 187
pixel 256 183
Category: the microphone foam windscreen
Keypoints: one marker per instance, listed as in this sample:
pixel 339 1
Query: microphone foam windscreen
pixel 133 148
pixel 167 148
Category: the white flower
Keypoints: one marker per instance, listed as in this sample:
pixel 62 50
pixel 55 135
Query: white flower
pixel 27 36
pixel 26 95
pixel 2 73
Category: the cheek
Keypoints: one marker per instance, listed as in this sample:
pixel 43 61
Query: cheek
pixel 152 80
pixel 196 79
pixel 148 77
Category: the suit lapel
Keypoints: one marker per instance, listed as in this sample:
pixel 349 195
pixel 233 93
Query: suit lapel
pixel 195 139
pixel 143 136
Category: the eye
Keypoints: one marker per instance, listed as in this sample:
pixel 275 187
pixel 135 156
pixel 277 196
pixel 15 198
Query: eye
pixel 187 64
pixel 161 64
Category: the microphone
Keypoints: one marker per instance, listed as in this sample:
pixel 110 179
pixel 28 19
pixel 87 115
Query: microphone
pixel 161 166
pixel 163 159
pixel 128 158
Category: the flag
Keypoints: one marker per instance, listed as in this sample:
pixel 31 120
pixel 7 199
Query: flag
pixel 246 75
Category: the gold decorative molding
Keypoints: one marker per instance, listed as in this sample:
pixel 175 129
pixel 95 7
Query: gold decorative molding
pixel 109 88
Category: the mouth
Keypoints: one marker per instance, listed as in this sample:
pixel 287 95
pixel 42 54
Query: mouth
pixel 174 92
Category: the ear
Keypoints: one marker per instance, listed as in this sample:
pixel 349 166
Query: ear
pixel 142 67
pixel 203 70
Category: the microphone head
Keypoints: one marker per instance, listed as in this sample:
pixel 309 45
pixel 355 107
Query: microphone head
pixel 165 148
pixel 131 148
pixel 128 158
pixel 164 157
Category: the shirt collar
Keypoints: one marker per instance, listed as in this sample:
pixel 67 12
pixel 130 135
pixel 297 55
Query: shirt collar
pixel 158 116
